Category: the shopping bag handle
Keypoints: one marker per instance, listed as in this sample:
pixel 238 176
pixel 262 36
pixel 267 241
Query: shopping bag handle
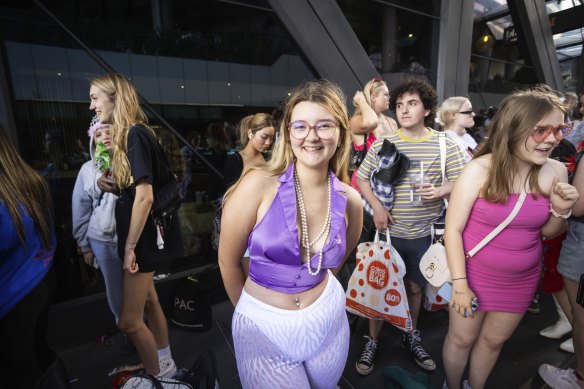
pixel 387 238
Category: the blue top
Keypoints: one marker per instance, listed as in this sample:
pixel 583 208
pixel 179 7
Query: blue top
pixel 22 267
pixel 275 258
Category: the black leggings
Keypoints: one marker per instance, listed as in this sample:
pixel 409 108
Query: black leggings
pixel 25 352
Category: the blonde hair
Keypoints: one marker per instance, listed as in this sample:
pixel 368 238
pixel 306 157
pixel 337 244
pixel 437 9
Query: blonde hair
pixel 371 89
pixel 512 125
pixel 23 189
pixel 329 96
pixel 254 123
pixel 448 110
pixel 126 113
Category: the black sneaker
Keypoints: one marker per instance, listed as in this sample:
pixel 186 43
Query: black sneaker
pixel 365 364
pixel 412 342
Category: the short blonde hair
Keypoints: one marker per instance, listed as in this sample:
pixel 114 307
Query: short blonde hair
pixel 450 107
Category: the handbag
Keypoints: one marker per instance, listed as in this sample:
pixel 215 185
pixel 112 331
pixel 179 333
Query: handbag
pixel 376 288
pixel 167 200
pixel 433 264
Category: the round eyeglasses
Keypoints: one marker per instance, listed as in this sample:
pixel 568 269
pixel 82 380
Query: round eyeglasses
pixel 540 133
pixel 324 129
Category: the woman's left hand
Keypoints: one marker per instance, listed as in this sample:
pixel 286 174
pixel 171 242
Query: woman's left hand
pixel 130 263
pixel 563 196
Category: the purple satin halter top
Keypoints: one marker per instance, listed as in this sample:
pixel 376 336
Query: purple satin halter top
pixel 274 249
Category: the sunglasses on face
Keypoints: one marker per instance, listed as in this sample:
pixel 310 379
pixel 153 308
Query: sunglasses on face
pixel 540 133
pixel 324 129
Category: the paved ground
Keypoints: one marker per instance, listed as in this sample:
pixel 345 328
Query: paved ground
pixel 88 363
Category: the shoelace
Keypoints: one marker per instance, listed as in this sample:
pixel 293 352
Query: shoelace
pixel 369 351
pixel 416 346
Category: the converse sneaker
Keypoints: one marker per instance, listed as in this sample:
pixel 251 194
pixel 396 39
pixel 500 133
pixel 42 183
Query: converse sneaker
pixel 167 366
pixel 558 378
pixel 412 342
pixel 365 364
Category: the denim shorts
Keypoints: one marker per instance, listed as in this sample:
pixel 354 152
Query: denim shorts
pixel 571 263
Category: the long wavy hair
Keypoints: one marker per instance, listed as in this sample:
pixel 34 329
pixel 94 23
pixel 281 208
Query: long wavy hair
pixel 22 187
pixel 512 125
pixel 327 95
pixel 254 123
pixel 371 89
pixel 126 113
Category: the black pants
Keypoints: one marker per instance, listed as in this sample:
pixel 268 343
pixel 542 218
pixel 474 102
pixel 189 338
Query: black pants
pixel 25 353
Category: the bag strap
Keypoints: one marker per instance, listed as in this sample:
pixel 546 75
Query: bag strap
pixel 500 227
pixel 442 142
pixel 387 238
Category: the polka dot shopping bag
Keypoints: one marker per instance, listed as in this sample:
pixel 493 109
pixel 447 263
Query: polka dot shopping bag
pixel 376 287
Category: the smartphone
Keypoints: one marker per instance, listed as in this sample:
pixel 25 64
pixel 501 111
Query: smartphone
pixel 445 291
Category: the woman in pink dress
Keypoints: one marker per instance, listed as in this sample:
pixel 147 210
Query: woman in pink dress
pixel 503 275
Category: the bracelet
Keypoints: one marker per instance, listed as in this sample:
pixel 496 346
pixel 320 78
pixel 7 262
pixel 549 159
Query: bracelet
pixel 461 278
pixel 564 216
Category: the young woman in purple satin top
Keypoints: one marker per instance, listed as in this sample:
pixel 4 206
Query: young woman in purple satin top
pixel 504 274
pixel 301 220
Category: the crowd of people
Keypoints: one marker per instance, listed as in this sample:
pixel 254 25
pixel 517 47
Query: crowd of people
pixel 292 215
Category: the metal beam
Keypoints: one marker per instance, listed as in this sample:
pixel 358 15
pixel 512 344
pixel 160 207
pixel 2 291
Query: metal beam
pixel 455 42
pixel 327 40
pixel 535 34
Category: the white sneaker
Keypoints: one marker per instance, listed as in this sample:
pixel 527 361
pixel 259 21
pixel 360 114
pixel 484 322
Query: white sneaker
pixel 558 378
pixel 167 367
pixel 568 346
pixel 557 330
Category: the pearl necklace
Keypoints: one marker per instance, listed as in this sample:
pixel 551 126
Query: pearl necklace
pixel 306 244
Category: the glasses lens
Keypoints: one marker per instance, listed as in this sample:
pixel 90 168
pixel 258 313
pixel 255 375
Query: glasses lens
pixel 325 129
pixel 298 129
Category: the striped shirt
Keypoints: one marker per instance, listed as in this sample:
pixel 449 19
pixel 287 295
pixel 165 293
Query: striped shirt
pixel 414 221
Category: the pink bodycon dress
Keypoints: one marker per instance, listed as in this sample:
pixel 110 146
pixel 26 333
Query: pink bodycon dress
pixel 505 273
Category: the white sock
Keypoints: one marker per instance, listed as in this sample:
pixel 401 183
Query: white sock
pixel 163 352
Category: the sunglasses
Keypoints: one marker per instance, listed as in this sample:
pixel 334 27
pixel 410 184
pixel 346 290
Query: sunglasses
pixel 540 133
pixel 467 112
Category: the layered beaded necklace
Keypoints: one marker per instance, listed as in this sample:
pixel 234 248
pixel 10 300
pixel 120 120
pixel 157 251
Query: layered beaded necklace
pixel 305 242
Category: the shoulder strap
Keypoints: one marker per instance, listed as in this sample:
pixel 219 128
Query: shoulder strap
pixel 442 141
pixel 500 227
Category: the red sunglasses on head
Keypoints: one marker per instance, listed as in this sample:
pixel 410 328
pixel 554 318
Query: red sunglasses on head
pixel 540 133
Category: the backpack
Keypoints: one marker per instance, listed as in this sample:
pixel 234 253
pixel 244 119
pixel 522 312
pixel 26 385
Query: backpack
pixel 203 372
pixel 191 310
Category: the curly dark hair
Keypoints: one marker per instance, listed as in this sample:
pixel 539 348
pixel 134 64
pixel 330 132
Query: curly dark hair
pixel 424 90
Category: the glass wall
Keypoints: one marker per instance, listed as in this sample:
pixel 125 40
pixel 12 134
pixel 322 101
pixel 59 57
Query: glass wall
pixel 400 37
pixel 200 65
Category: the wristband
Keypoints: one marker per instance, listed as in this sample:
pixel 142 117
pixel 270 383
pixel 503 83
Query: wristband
pixel 564 216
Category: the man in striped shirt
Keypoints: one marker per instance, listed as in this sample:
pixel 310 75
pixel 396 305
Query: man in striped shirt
pixel 410 222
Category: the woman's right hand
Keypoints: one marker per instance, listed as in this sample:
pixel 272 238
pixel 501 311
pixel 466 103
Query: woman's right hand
pixel 88 258
pixel 106 183
pixel 359 99
pixel 461 298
